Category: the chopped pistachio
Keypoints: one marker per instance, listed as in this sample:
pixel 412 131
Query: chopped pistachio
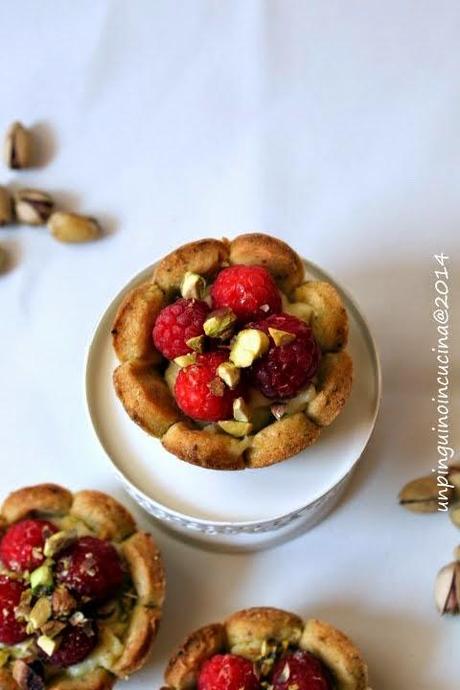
pixel 59 541
pixel 193 286
pixel 219 323
pixel 241 410
pixel 40 613
pixel 249 344
pixel 235 428
pixel 41 579
pixel 185 360
pixel 171 375
pixel 280 337
pixel 217 387
pixel 229 373
pixel 47 644
pixel 196 343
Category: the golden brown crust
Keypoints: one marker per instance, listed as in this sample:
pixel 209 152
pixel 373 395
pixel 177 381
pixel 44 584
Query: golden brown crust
pixel 138 640
pixel 45 499
pixel 109 520
pixel 147 573
pixel 98 679
pixel 146 397
pixel 337 652
pixel 282 439
pixel 186 661
pixel 103 514
pixel 133 325
pixel 247 629
pixel 148 400
pixel 329 319
pixel 146 568
pixel 335 378
pixel 205 448
pixel 284 263
pixel 7 681
pixel 246 632
pixel 203 256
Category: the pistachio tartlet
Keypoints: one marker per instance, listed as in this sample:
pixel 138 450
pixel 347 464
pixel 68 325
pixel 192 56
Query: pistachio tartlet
pixel 267 649
pixel 230 355
pixel 81 591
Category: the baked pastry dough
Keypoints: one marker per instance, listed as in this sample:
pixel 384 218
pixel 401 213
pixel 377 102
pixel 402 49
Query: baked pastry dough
pixel 139 379
pixel 249 633
pixel 126 624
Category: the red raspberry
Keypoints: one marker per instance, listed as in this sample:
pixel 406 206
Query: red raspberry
pixel 177 323
pixel 285 370
pixel 11 630
pixel 75 645
pixel 301 670
pixel 249 291
pixel 91 568
pixel 22 545
pixel 201 394
pixel 227 672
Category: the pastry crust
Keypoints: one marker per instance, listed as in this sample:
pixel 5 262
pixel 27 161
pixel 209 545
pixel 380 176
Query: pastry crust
pixel 284 263
pixel 146 397
pixel 335 377
pixel 43 499
pixel 105 516
pixel 133 325
pixel 281 440
pixel 209 449
pixel 337 652
pixel 329 318
pixel 106 519
pixel 247 632
pixel 141 387
pixel 205 257
pixel 184 665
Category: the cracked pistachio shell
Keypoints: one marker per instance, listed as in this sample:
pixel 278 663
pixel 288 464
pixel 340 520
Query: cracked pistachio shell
pixel 6 207
pixel 72 227
pixel 18 147
pixel 447 589
pixel 420 495
pixel 32 206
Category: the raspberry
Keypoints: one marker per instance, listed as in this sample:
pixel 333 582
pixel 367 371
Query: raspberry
pixel 249 291
pixel 91 568
pixel 285 370
pixel 227 672
pixel 11 630
pixel 301 670
pixel 201 394
pixel 177 323
pixel 76 643
pixel 22 545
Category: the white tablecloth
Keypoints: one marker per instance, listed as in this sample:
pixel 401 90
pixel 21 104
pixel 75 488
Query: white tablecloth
pixel 334 125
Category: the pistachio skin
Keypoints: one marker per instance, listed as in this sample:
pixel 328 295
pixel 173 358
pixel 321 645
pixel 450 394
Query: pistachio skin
pixel 32 206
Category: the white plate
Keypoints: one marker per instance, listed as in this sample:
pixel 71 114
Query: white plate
pixel 222 502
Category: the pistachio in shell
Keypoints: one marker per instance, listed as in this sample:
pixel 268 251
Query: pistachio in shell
pixel 421 495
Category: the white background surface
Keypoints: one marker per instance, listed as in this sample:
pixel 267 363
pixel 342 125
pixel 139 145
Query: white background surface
pixel 333 125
